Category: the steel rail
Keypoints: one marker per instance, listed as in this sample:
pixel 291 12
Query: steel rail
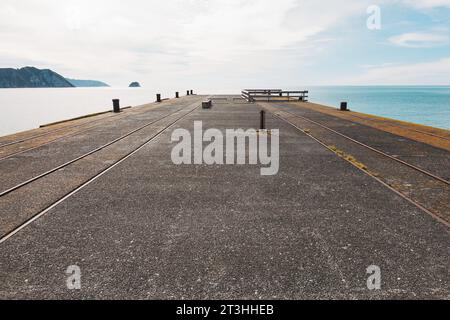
pixel 415 203
pixel 372 148
pixel 92 179
pixel 22 184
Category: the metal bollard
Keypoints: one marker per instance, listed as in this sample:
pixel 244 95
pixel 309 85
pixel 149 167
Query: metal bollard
pixel 344 106
pixel 263 120
pixel 192 92
pixel 207 104
pixel 187 92
pixel 177 94
pixel 158 97
pixel 116 105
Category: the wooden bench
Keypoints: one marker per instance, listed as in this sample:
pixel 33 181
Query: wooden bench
pixel 252 95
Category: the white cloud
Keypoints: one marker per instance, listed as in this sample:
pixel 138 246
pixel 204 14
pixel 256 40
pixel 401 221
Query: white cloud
pixel 120 41
pixel 419 40
pixel 428 73
pixel 427 4
pixel 170 43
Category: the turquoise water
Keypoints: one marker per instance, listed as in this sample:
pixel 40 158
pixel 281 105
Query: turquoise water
pixel 428 105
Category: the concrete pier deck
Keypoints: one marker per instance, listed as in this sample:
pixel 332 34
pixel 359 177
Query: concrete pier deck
pixel 139 226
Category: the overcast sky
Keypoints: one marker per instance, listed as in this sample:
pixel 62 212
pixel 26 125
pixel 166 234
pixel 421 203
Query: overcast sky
pixel 229 44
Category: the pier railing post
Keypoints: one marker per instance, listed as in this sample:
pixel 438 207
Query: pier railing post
pixel 116 105
pixel 263 120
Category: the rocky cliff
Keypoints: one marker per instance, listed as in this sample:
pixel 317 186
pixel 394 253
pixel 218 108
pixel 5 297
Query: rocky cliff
pixel 30 77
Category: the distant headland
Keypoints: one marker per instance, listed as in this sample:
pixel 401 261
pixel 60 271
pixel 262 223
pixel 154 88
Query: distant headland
pixel 87 83
pixel 31 77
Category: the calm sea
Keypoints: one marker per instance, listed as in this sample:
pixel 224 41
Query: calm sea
pixel 419 104
pixel 23 109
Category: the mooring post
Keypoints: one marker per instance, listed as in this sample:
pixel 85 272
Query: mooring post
pixel 187 92
pixel 192 92
pixel 344 106
pixel 177 94
pixel 158 97
pixel 263 120
pixel 116 105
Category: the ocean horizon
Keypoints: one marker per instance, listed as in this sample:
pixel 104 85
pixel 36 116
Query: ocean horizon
pixel 25 109
pixel 426 105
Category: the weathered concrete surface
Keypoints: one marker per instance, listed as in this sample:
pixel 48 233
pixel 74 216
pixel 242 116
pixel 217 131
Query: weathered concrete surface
pixel 423 155
pixel 18 206
pixel 429 192
pixel 150 229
